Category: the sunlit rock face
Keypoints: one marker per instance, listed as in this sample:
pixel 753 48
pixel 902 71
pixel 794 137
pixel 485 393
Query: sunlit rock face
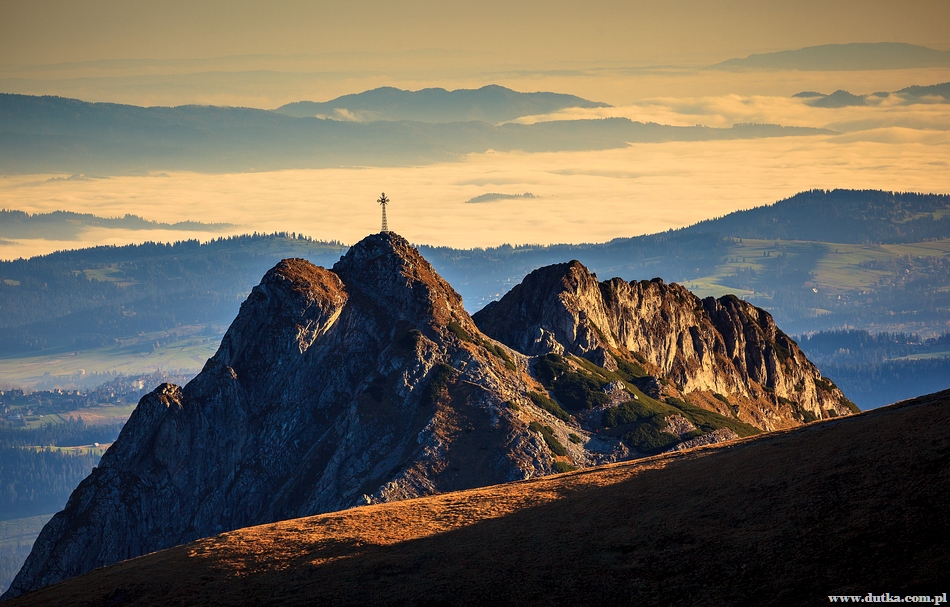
pixel 693 347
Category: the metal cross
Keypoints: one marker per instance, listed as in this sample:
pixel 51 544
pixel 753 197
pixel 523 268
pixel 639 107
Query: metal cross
pixel 383 201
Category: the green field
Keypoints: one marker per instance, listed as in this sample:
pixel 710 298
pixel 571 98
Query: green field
pixel 103 414
pixel 144 354
pixel 861 284
pixel 38 421
pixel 77 450
pixel 840 267
pixel 22 530
pixel 91 416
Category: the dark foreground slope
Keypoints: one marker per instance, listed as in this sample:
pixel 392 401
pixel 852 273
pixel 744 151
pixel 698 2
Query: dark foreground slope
pixel 847 506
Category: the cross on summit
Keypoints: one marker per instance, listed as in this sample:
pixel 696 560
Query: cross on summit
pixel 383 201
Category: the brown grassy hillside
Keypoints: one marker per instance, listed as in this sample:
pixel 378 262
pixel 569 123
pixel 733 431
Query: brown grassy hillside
pixel 847 506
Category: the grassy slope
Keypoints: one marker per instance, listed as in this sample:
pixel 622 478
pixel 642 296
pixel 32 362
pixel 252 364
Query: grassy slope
pixel 840 267
pixel 134 357
pixel 846 506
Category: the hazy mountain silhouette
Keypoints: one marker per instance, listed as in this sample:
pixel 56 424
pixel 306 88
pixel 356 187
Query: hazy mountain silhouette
pixel 843 216
pixel 55 134
pixel 855 56
pixel 490 103
pixel 935 90
pixel 64 225
pixel 839 98
pixel 934 93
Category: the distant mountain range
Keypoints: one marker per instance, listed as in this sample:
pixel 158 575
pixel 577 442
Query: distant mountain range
pixel 54 134
pixel 66 225
pixel 843 57
pixel 492 104
pixel 939 93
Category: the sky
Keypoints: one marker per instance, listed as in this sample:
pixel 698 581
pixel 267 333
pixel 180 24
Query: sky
pixel 537 32
pixel 646 59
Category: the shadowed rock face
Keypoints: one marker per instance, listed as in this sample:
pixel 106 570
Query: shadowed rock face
pixel 725 346
pixel 331 389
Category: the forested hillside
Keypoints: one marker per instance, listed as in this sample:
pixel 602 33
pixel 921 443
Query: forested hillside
pixel 37 475
pixel 882 264
pixel 876 370
pixel 842 216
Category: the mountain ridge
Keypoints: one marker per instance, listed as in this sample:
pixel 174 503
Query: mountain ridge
pixel 491 103
pixel 778 271
pixel 42 134
pixel 367 383
pixel 726 349
pixel 328 390
pixel 841 57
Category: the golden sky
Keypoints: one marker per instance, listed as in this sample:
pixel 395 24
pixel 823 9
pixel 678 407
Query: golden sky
pixel 524 33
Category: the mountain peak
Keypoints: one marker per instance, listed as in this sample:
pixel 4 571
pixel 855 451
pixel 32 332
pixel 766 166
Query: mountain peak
pixel 385 252
pixel 388 270
pixel 726 353
pixel 370 383
pixel 331 389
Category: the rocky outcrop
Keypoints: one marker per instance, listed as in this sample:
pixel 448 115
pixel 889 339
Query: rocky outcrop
pixel 332 388
pixel 701 348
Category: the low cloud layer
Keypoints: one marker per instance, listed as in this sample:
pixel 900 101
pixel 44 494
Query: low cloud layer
pixel 726 110
pixel 582 196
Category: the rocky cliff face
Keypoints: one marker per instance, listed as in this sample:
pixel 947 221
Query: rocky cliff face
pixel 332 388
pixel 719 354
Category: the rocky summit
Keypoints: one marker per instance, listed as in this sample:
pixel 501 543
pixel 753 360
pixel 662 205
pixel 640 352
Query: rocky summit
pixel 722 354
pixel 370 383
